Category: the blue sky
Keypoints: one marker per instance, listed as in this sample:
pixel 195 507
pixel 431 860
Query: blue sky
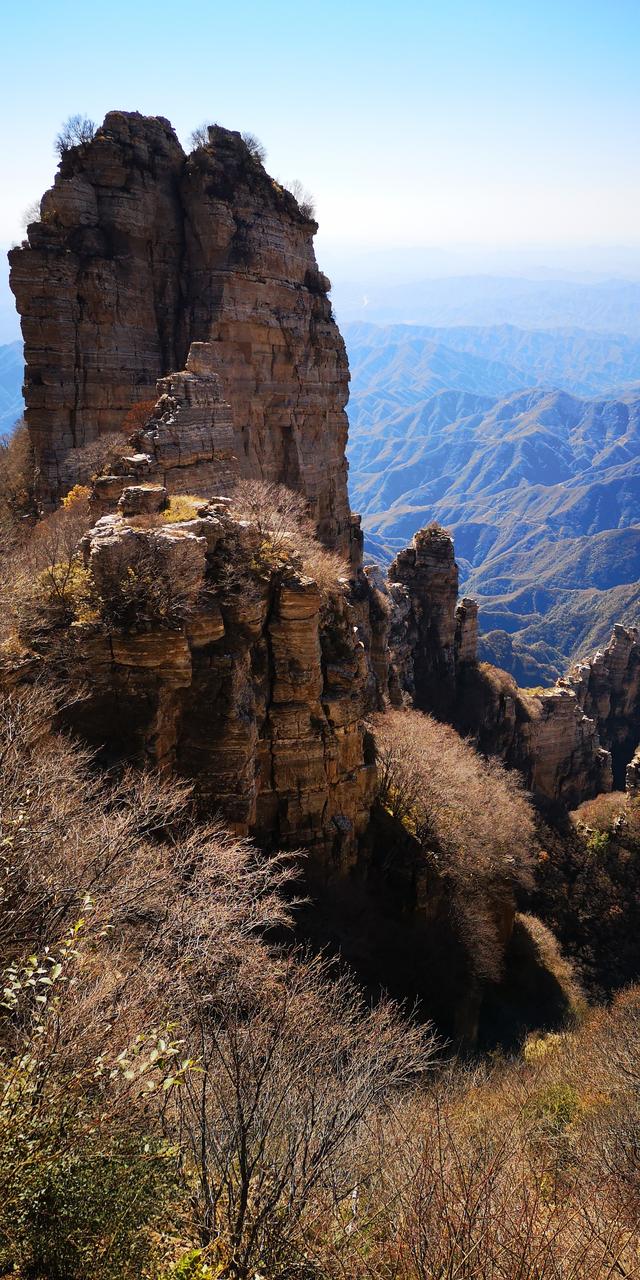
pixel 493 123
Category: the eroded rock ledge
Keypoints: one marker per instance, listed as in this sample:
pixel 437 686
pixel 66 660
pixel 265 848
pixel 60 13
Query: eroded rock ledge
pixel 208 660
pixel 558 738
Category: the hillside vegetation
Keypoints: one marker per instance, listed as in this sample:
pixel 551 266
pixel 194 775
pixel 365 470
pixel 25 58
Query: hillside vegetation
pixel 540 488
pixel 185 1093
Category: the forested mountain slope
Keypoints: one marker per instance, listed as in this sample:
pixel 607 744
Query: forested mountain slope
pixel 540 488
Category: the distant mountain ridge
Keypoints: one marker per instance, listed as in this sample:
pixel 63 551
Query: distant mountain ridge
pixel 540 487
pixel 603 305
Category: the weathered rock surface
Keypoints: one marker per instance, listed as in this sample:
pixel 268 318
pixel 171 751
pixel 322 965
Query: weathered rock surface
pixel 632 774
pixel 607 687
pixel 551 737
pixel 141 251
pixel 247 682
pixel 424 587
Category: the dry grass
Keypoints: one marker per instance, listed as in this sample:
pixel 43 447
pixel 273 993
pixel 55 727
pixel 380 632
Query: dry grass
pixel 181 506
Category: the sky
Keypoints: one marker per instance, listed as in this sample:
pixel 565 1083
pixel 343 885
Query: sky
pixel 437 123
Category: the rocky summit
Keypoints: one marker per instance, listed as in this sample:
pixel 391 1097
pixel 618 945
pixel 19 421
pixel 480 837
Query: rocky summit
pixel 141 250
pixel 173 303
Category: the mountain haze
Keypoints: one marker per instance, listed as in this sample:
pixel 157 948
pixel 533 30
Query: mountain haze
pixel 540 487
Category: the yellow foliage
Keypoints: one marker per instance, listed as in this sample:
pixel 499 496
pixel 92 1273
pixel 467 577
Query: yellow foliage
pixel 182 506
pixel 76 497
pixel 537 1047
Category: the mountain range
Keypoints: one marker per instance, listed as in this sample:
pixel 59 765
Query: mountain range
pixel 601 305
pixel 539 484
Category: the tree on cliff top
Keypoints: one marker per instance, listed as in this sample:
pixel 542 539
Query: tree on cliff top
pixel 75 132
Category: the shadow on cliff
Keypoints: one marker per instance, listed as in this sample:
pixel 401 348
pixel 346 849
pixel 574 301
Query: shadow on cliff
pixel 392 920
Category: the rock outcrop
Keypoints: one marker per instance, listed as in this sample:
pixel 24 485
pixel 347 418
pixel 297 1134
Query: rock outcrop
pixel 607 687
pixel 551 737
pixel 206 659
pixel 142 250
pixel 429 637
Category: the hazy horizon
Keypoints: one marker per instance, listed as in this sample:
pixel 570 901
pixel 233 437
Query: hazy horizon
pixel 478 122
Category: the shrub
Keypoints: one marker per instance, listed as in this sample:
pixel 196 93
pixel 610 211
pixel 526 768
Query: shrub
pixel 554 962
pixel 470 815
pixel 17 478
pixel 147 580
pixel 77 131
pixel 31 214
pixel 137 417
pixel 601 813
pixel 287 1079
pixel 255 148
pixel 282 519
pixel 43 581
pixel 200 136
pixel 181 506
pixel 304 200
pixel 83 464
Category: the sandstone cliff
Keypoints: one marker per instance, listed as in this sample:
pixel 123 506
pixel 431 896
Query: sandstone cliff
pixel 142 250
pixel 185 288
pixel 551 736
pixel 607 687
pixel 192 648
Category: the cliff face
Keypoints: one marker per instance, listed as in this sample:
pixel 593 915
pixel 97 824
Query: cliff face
pixel 143 250
pixel 245 679
pixel 607 687
pixel 552 737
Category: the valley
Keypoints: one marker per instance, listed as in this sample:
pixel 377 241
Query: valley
pixel 540 486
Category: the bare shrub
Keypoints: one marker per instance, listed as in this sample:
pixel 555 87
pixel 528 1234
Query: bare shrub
pixel 31 214
pixel 553 961
pixel 17 477
pixel 77 131
pixel 200 136
pixel 83 464
pixel 470 815
pixel 288 1077
pixel 115 891
pixel 304 199
pixel 255 148
pixel 602 812
pixel 43 580
pixel 147 579
pixel 282 519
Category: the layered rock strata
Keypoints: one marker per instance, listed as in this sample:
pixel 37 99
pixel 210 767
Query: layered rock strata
pixel 243 679
pixel 607 687
pixel 427 637
pixel 551 737
pixel 142 250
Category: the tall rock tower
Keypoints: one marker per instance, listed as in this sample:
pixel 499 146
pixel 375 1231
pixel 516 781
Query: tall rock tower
pixel 142 250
